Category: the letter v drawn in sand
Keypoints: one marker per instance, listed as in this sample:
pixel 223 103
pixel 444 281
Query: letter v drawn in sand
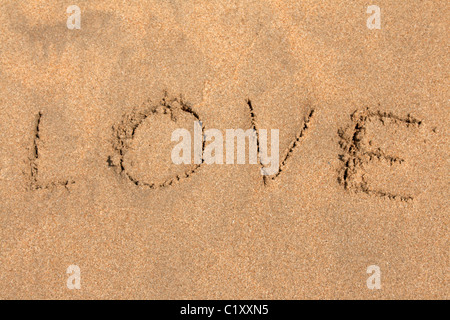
pixel 292 146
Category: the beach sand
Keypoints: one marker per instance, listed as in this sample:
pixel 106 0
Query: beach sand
pixel 86 177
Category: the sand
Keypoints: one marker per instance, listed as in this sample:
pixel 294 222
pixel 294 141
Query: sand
pixel 86 177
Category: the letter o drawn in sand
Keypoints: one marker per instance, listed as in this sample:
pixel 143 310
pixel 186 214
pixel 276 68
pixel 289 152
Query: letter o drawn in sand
pixel 142 143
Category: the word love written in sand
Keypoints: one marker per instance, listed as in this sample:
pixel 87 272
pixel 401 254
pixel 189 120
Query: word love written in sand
pixel 142 155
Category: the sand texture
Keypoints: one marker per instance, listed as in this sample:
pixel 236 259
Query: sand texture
pixel 86 176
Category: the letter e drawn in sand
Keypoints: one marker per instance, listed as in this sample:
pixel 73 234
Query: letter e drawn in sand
pixel 360 153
